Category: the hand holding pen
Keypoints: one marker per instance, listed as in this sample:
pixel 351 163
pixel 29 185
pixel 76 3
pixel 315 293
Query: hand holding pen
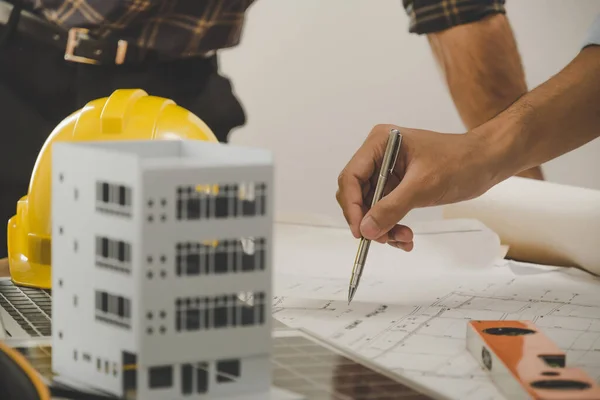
pixel 387 168
pixel 432 169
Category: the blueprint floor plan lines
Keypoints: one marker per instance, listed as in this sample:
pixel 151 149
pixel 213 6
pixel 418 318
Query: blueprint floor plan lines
pixel 319 287
pixel 411 311
pixel 424 340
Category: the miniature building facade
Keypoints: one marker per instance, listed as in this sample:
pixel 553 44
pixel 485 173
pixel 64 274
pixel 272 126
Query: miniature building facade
pixel 161 267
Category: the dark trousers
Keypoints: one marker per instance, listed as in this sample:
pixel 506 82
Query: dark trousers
pixel 38 89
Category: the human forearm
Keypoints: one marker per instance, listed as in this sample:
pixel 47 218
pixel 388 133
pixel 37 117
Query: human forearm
pixel 560 115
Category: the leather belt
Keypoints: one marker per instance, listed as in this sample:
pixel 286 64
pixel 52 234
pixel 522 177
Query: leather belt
pixel 76 43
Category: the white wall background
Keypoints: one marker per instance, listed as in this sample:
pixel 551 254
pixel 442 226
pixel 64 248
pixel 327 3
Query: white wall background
pixel 315 76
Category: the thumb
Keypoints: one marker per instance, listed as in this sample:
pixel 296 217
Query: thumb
pixel 387 212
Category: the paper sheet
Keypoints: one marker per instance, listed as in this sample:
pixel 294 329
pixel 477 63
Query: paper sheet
pixel 542 222
pixel 411 310
pixel 456 246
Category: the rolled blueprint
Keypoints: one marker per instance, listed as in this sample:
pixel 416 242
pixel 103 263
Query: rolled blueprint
pixel 541 222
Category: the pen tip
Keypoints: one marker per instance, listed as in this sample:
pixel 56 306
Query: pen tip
pixel 351 292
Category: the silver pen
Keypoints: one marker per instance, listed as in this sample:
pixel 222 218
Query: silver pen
pixel 387 166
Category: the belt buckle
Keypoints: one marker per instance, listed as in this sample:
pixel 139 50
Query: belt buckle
pixel 75 36
pixel 78 34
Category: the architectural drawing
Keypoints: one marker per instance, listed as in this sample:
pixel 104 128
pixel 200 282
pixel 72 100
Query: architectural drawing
pixel 426 342
pixel 161 258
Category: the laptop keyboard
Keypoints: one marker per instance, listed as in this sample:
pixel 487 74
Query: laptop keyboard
pixel 30 308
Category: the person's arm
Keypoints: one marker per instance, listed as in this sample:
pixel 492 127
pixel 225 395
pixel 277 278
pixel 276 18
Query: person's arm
pixel 560 115
pixel 482 68
pixel 474 46
pixel 435 168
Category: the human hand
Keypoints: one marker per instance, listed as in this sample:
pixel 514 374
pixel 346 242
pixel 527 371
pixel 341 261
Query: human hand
pixel 432 169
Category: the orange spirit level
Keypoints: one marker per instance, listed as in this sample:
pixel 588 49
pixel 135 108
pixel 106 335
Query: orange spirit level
pixel 526 364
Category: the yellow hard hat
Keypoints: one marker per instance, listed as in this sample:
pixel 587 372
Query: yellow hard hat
pixel 127 114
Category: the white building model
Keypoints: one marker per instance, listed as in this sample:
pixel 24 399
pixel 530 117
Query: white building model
pixel 154 246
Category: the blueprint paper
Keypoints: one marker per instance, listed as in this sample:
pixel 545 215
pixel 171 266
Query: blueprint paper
pixel 411 317
pixel 425 340
pixel 541 221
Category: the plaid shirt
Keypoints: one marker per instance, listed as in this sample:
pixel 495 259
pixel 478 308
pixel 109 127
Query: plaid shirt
pixel 172 27
pixel 428 16
pixel 189 27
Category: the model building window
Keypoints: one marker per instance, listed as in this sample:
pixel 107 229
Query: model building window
pixel 203 313
pixel 220 257
pixel 187 379
pixel 252 309
pixel 192 314
pixel 191 204
pixel 114 254
pixel 202 377
pixel 223 257
pixel 113 198
pixel 221 201
pixel 129 368
pixel 191 258
pixel 253 254
pixel 160 377
pixel 253 198
pixel 233 304
pixel 259 307
pixel 228 370
pixel 221 312
pixel 113 309
pixel 194 374
pixel 225 201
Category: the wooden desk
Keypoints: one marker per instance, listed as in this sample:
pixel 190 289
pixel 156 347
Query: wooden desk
pixel 4 272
